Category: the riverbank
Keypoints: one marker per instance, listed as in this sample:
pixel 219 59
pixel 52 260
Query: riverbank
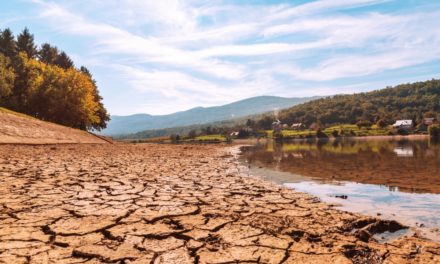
pixel 17 128
pixel 150 203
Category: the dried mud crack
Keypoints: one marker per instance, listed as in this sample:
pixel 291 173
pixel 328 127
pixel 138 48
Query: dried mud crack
pixel 173 204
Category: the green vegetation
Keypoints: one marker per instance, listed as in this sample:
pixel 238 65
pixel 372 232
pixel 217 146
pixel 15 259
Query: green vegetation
pixel 364 114
pixel 345 130
pixel 434 132
pixel 297 133
pixel 355 130
pixel 174 138
pixel 406 101
pixel 219 138
pixel 200 115
pixel 45 84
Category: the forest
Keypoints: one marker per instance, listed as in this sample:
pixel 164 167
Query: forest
pixel 406 101
pixel 380 107
pixel 43 82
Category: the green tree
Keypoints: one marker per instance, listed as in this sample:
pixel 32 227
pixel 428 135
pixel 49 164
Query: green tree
pixel 48 54
pixel 175 138
pixel 27 79
pixel 382 122
pixel 250 123
pixel 7 43
pixel 320 134
pixel 192 133
pixel 434 132
pixel 49 88
pixel 64 61
pixel 430 114
pixel 25 43
pixel 265 122
pixel 400 102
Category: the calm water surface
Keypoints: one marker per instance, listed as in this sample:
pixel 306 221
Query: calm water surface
pixel 392 179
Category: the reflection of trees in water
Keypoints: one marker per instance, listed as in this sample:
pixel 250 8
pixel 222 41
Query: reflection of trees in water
pixel 373 162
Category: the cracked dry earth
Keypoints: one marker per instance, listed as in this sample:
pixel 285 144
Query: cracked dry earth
pixel 173 204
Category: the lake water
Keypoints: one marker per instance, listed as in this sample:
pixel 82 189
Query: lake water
pixel 390 179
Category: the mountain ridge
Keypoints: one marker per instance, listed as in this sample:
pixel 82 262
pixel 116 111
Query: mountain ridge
pixel 201 115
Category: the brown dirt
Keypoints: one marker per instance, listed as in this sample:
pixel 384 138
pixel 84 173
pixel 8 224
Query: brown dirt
pixel 173 204
pixel 21 129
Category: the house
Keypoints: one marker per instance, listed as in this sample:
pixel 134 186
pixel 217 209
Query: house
pixel 429 121
pixel 405 124
pixel 276 126
pixel 297 126
pixel 234 134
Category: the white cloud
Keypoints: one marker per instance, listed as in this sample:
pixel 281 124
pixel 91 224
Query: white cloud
pixel 320 6
pixel 361 65
pixel 406 45
pixel 204 53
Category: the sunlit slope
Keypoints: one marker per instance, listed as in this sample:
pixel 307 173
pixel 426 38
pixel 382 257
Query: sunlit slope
pixel 405 101
pixel 200 115
pixel 18 128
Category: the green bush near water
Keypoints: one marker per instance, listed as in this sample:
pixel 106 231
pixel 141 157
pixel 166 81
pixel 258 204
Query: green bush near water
pixel 434 132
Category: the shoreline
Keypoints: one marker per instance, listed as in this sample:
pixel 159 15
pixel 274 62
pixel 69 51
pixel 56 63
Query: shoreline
pixel 388 137
pixel 339 202
pixel 174 204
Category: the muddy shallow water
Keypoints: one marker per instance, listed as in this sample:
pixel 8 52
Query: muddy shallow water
pixel 397 180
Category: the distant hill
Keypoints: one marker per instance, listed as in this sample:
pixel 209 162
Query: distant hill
pixel 19 128
pixel 405 101
pixel 200 115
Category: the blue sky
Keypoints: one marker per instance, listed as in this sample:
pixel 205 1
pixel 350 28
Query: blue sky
pixel 159 57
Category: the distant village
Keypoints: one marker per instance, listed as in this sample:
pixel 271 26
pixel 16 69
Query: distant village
pixel 362 128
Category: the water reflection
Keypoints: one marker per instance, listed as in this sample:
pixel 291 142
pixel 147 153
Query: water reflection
pixel 407 166
pixel 395 179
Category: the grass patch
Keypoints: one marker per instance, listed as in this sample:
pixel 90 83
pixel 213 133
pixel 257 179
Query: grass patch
pixel 354 130
pixel 220 138
pixel 343 130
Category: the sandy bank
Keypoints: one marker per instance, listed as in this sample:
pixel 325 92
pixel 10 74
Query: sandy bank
pixel 21 129
pixel 172 204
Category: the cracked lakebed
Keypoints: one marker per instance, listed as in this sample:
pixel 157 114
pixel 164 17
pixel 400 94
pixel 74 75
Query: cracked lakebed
pixel 173 204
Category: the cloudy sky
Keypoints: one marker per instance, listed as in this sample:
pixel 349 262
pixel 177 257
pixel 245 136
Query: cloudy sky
pixel 164 56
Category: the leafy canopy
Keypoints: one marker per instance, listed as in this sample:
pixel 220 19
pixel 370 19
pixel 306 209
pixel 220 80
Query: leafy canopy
pixel 45 84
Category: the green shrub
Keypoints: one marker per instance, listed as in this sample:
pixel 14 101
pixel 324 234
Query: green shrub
pixel 363 123
pixel 174 138
pixel 277 135
pixel 320 134
pixel 434 132
pixel 402 132
pixel 382 123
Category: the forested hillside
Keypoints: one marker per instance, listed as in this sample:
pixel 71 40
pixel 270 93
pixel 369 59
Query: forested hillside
pixel 44 83
pixel 200 115
pixel 405 101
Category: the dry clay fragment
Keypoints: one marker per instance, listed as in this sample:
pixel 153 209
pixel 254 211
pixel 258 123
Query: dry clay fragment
pixel 81 225
pixel 106 254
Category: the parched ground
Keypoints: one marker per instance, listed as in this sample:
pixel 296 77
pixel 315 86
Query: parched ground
pixel 18 128
pixel 173 204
